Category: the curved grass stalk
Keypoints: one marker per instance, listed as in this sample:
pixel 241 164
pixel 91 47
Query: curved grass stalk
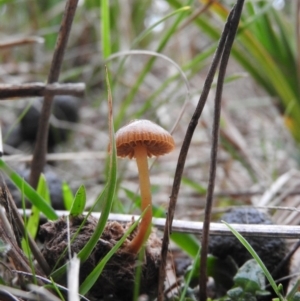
pixel 166 37
pixel 156 54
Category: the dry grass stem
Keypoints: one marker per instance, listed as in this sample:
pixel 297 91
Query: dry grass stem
pixel 40 89
pixel 182 158
pixel 233 22
pixel 59 157
pixel 21 41
pixel 39 154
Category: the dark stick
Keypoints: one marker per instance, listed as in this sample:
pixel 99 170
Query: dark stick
pixel 40 150
pixel 40 89
pixel 182 157
pixel 234 22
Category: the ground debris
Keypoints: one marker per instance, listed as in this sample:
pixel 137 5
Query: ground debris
pixel 118 277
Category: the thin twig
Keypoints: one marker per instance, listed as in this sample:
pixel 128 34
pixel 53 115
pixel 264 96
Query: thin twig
pixel 234 22
pixel 21 41
pixel 182 157
pixel 40 150
pixel 191 227
pixel 40 89
pixel 70 156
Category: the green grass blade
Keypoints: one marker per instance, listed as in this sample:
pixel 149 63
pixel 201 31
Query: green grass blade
pixel 5 1
pixel 67 195
pixel 111 185
pixel 192 67
pixel 148 104
pixel 29 192
pixel 138 274
pixel 287 54
pixel 79 202
pixel 32 223
pixel 195 267
pixel 258 23
pixel 148 30
pixel 187 243
pixel 200 189
pixel 252 54
pixel 43 189
pixel 249 248
pixel 57 290
pixel 25 240
pixel 267 25
pixel 34 219
pixel 105 29
pixel 57 274
pixel 269 68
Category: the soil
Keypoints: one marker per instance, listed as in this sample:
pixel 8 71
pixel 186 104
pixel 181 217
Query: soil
pixel 118 277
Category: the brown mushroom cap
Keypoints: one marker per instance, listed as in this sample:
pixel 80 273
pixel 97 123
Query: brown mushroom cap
pixel 157 140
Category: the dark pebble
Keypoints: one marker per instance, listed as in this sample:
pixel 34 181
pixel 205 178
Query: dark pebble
pixel 270 250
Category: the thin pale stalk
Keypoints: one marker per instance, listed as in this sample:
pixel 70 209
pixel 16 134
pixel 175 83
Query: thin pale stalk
pixel 146 199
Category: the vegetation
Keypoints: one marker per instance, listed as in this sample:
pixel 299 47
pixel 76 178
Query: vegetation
pixel 148 60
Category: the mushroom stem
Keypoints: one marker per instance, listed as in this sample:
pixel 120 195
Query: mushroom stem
pixel 144 229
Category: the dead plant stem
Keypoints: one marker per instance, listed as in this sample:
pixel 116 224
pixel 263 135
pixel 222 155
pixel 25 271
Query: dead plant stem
pixel 233 20
pixel 182 157
pixel 40 89
pixel 40 150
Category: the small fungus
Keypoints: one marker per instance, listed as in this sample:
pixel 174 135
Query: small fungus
pixel 141 139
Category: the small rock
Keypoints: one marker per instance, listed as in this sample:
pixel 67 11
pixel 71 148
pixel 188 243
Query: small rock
pixel 270 250
pixel 65 108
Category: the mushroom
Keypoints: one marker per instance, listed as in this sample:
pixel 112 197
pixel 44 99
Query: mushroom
pixel 141 139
